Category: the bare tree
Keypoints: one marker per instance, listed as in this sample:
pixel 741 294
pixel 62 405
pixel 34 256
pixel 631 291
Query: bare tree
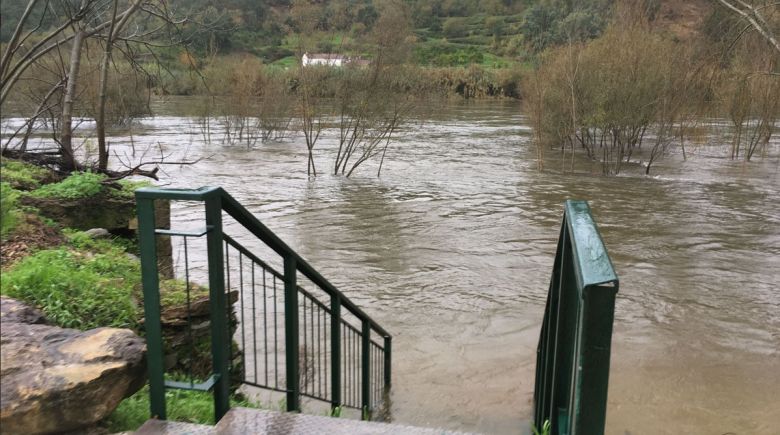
pixel 306 16
pixel 754 14
pixel 311 111
pixel 369 113
pixel 77 24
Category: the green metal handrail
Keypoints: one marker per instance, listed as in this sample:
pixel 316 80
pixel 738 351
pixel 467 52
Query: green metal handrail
pixel 216 202
pixel 572 363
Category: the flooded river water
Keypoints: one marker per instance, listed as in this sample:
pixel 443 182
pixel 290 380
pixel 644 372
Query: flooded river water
pixel 451 250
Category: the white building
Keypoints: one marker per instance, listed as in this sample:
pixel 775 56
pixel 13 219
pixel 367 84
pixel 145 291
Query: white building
pixel 327 59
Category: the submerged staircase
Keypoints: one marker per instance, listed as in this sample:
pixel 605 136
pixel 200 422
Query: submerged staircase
pixel 313 343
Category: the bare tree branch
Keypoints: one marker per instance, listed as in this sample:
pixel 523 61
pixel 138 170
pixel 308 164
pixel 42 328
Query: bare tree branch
pixel 755 18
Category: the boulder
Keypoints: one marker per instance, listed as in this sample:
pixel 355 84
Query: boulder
pixel 98 233
pixel 13 311
pixel 56 380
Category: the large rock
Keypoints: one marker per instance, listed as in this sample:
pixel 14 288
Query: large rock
pixel 55 380
pixel 13 311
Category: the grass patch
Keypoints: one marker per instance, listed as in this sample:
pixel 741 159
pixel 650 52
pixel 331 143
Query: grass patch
pixel 77 185
pixel 174 292
pixel 9 215
pixel 285 62
pixel 181 405
pixel 21 175
pixel 84 242
pixel 80 289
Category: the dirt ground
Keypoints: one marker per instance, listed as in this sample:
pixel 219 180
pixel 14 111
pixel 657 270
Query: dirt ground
pixel 30 235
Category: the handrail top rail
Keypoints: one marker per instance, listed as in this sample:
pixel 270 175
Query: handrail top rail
pixel 182 194
pixel 593 265
pixel 251 223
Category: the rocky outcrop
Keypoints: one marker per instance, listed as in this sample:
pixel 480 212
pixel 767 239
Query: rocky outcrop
pixel 189 350
pixel 113 213
pixel 98 211
pixel 13 311
pixel 55 380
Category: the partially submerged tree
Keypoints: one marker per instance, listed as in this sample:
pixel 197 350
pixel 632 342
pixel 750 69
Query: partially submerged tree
pixel 761 16
pixel 306 16
pixel 80 26
pixel 609 96
pixel 751 100
pixel 368 107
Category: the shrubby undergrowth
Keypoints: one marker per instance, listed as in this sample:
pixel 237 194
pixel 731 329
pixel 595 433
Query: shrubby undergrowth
pixel 77 185
pixel 86 284
pixel 8 213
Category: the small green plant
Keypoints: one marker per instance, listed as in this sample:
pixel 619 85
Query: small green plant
pixel 545 429
pixel 83 241
pixel 78 289
pixel 77 185
pixel 8 213
pixel 181 405
pixel 22 175
pixel 174 292
pixel 336 412
pixel 128 188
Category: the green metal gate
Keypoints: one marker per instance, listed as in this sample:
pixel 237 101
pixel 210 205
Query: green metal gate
pixel 572 363
pixel 328 350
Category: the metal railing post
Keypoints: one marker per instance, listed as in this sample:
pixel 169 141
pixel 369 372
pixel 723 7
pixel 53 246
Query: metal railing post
pixel 572 371
pixel 594 354
pixel 365 369
pixel 291 334
pixel 152 324
pixel 220 338
pixel 388 361
pixel 335 352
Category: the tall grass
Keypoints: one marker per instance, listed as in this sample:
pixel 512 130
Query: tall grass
pixel 83 288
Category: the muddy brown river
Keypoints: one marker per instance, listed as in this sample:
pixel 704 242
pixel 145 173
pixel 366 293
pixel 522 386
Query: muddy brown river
pixel 451 250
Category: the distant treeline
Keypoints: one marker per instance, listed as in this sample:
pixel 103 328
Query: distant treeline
pixel 467 82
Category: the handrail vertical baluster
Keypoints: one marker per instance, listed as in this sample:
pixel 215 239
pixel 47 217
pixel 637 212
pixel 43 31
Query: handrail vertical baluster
pixel 291 334
pixel 218 307
pixel 388 360
pixel 365 369
pixel 152 323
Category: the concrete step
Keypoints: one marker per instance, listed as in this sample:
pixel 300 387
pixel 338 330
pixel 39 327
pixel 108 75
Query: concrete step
pixel 164 427
pixel 241 421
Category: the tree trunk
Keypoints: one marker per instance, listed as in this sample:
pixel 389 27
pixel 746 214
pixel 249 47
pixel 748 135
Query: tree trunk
pixel 100 122
pixel 66 136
